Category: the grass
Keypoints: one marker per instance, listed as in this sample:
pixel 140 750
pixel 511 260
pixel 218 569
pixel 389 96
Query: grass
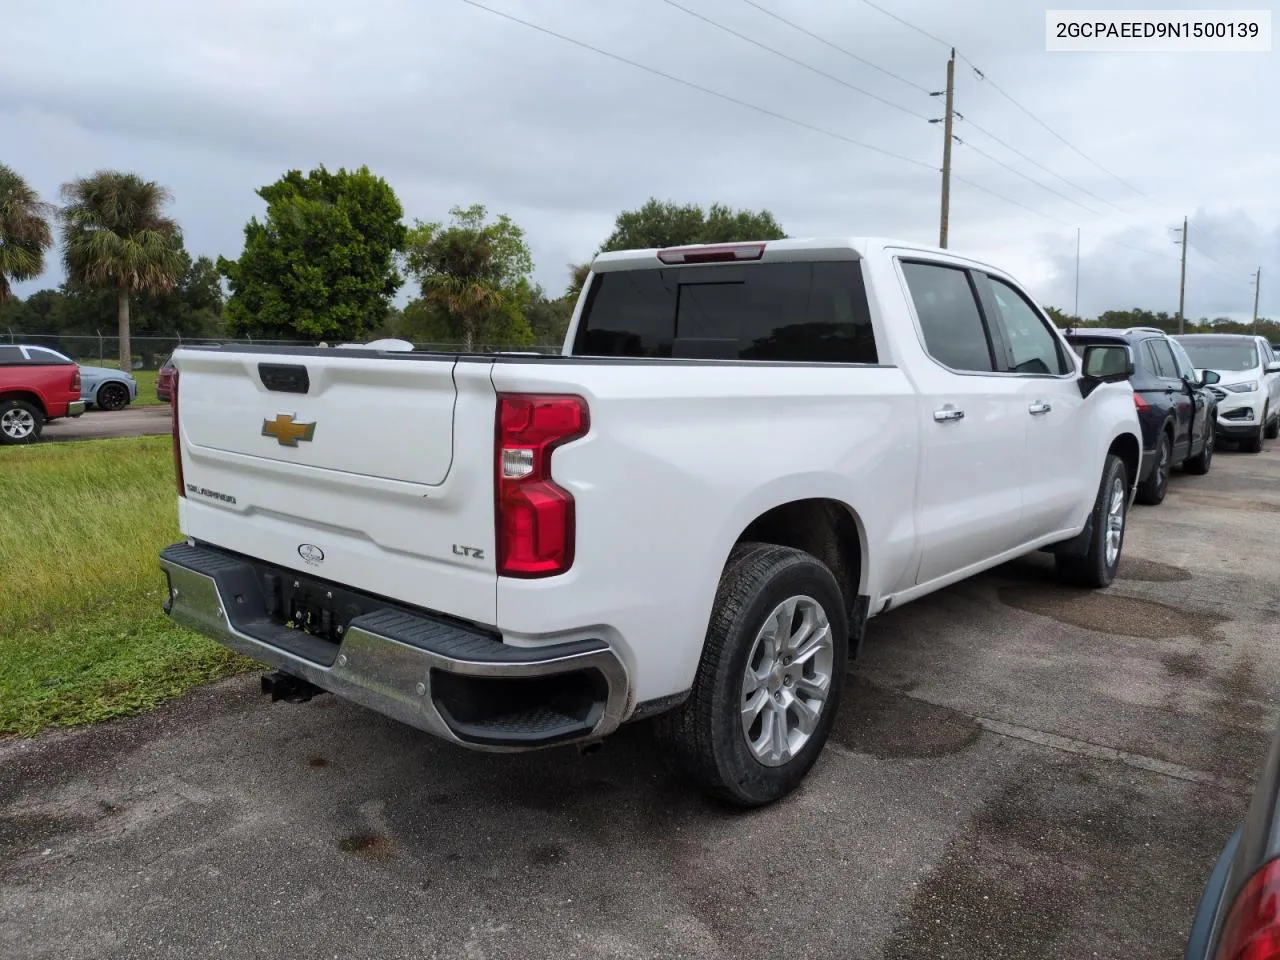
pixel 147 389
pixel 82 634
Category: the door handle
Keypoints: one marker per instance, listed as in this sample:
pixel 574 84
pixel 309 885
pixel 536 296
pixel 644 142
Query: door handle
pixel 947 414
pixel 1036 409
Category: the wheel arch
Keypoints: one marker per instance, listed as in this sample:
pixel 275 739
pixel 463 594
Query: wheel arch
pixel 1128 448
pixel 827 528
pixel 26 396
pixel 107 382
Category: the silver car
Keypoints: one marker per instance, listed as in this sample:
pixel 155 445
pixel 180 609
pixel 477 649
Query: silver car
pixel 105 387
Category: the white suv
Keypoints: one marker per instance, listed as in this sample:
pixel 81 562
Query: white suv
pixel 1249 389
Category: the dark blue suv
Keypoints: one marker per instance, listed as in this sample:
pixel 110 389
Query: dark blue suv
pixel 1177 413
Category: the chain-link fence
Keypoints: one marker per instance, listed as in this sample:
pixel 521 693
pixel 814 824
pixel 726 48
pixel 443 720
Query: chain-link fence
pixel 150 353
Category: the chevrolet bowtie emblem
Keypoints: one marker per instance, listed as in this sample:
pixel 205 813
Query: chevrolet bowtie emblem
pixel 288 431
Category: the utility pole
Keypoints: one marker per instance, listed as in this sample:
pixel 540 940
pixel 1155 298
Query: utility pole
pixel 1182 282
pixel 1257 288
pixel 1076 309
pixel 950 93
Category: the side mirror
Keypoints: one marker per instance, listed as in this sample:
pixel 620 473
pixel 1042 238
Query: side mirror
pixel 1208 377
pixel 1105 363
pixel 1272 368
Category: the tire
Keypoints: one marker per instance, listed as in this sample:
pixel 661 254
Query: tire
pixel 112 396
pixel 1097 568
pixel 1152 490
pixel 1199 464
pixel 1254 443
pixel 20 422
pixel 1273 428
pixel 709 737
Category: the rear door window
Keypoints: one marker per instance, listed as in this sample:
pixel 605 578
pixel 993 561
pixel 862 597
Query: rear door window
pixel 1166 366
pixel 950 322
pixel 11 355
pixel 812 312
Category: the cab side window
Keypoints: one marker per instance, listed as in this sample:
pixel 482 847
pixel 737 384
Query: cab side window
pixel 1032 345
pixel 950 321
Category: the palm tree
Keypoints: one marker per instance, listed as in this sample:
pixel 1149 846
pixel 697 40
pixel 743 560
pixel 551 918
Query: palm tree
pixel 457 274
pixel 115 235
pixel 24 230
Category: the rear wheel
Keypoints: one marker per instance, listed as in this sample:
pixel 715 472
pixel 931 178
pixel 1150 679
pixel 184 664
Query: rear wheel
pixel 112 396
pixel 768 686
pixel 20 422
pixel 1152 490
pixel 1097 568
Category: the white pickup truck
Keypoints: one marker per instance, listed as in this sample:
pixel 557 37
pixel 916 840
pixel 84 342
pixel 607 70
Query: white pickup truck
pixel 744 452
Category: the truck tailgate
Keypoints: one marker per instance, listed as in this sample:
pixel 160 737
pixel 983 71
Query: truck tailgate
pixel 364 469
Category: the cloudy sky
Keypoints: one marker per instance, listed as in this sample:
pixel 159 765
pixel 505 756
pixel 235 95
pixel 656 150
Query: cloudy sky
pixel 456 105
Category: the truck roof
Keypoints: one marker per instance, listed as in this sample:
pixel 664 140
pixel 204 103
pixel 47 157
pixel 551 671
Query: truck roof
pixel 806 248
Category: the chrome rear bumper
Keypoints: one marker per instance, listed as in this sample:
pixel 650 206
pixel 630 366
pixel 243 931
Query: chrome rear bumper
pixel 448 679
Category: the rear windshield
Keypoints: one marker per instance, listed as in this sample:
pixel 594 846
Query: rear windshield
pixel 812 312
pixel 1222 356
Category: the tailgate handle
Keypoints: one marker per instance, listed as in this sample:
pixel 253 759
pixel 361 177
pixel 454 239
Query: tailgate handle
pixel 284 377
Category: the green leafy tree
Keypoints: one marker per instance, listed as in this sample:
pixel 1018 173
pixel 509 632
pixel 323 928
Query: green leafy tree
pixel 1061 318
pixel 578 273
pixel 548 318
pixel 24 231
pixel 116 236
pixel 321 265
pixel 474 274
pixel 665 224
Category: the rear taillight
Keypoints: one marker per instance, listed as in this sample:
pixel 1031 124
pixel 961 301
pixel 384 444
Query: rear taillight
pixel 534 515
pixel 75 381
pixel 1252 930
pixel 1140 403
pixel 177 441
pixel 719 253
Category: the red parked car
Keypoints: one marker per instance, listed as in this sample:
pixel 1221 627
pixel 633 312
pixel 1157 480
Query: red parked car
pixel 164 381
pixel 33 392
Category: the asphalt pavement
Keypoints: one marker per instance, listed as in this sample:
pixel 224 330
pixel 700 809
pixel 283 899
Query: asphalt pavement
pixel 1019 770
pixel 102 424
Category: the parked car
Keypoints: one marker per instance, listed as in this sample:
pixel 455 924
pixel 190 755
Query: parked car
pixel 104 387
pixel 1174 405
pixel 1236 917
pixel 164 381
pixel 34 390
pixel 1248 393
pixel 743 453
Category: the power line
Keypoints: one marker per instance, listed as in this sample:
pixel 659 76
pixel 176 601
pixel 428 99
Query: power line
pixel 994 86
pixel 778 116
pixel 795 60
pixel 1206 256
pixel 1037 163
pixel 834 46
pixel 695 86
pixel 1072 146
pixel 1015 170
pixel 1016 203
pixel 912 26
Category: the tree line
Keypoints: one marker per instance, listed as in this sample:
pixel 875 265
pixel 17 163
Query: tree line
pixel 323 264
pixel 1138 317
